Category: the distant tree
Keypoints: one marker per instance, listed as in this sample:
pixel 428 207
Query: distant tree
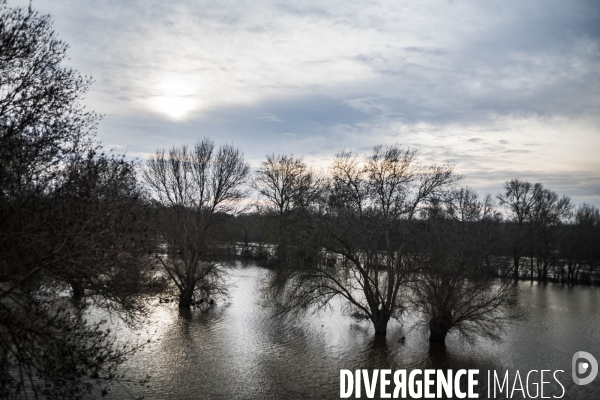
pixel 517 201
pixel 586 240
pixel 367 222
pixel 580 243
pixel 70 221
pixel 251 229
pixel 549 212
pixel 287 187
pixel 455 288
pixel 194 186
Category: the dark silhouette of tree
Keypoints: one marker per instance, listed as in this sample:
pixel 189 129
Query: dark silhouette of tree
pixel 549 212
pixel 456 288
pixel 250 229
pixel 70 222
pixel 585 241
pixel 110 228
pixel 194 186
pixel 366 222
pixel 517 201
pixel 287 187
pixel 579 244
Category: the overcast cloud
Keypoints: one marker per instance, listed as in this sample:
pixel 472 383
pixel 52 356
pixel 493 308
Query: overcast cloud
pixel 499 88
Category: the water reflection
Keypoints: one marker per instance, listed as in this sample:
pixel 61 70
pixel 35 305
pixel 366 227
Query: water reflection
pixel 238 350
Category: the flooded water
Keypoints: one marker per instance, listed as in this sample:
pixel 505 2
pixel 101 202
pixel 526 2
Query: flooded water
pixel 238 350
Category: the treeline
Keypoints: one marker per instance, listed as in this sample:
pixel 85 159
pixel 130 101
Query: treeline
pixel 384 231
pixel 390 235
pixel 541 236
pixel 548 238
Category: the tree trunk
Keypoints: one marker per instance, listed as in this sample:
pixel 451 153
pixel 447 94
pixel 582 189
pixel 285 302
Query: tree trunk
pixel 516 262
pixel 570 271
pixel 380 324
pixel 78 291
pixel 185 299
pixel 438 329
pixel 531 264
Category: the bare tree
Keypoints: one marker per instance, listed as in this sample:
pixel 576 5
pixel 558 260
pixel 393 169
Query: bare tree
pixel 586 239
pixel 194 186
pixel 518 201
pixel 287 188
pixel 367 222
pixel 549 212
pixel 455 288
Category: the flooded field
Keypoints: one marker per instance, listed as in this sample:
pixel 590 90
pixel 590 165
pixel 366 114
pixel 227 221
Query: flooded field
pixel 238 350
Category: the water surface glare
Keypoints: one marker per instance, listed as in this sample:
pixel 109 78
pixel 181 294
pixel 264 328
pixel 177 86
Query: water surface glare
pixel 238 350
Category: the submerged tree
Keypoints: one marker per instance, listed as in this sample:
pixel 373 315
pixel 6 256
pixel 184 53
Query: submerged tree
pixel 549 212
pixel 99 204
pixel 287 188
pixel 367 222
pixel 456 288
pixel 580 245
pixel 193 186
pixel 518 200
pixel 70 219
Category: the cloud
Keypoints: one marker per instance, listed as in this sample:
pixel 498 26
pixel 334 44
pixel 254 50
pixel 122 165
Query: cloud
pixel 499 88
pixel 458 59
pixel 271 118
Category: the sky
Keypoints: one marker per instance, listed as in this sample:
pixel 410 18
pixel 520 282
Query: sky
pixel 500 89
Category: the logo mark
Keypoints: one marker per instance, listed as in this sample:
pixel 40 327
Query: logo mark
pixel 589 365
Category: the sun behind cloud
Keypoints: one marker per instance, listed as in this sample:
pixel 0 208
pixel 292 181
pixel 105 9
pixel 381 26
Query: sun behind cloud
pixel 176 107
pixel 176 98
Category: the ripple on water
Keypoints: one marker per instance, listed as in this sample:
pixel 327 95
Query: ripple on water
pixel 238 350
